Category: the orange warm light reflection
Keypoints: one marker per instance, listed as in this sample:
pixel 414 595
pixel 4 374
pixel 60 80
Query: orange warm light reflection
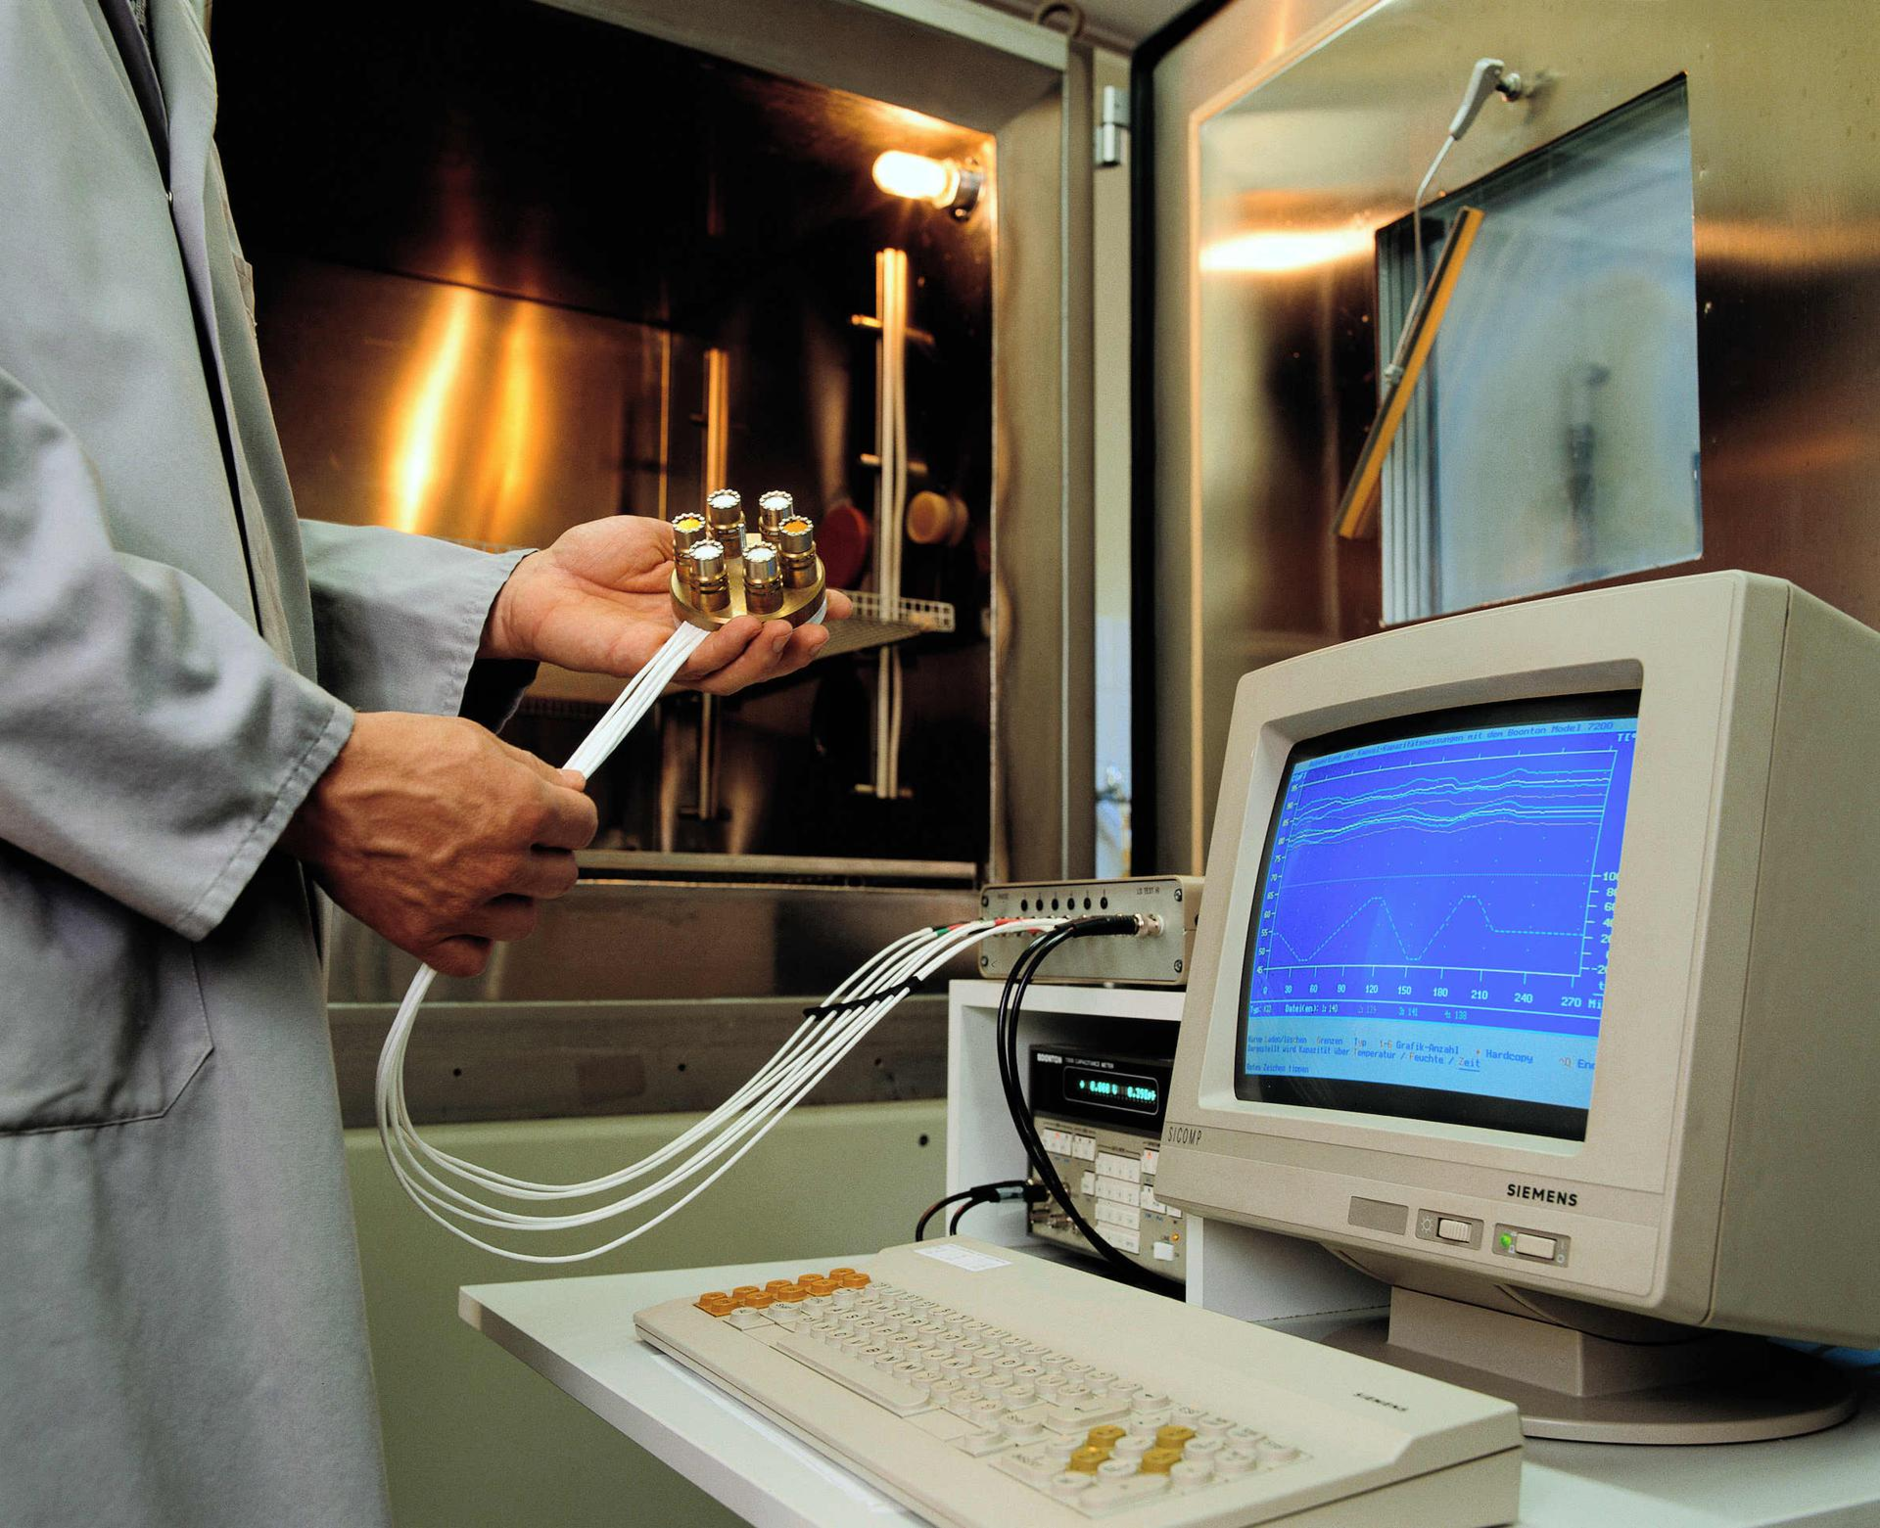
pixel 508 459
pixel 1272 252
pixel 420 433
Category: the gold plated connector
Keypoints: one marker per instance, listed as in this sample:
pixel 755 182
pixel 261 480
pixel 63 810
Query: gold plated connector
pixel 688 528
pixel 763 579
pixel 773 509
pixel 796 542
pixel 725 506
pixel 777 578
pixel 709 585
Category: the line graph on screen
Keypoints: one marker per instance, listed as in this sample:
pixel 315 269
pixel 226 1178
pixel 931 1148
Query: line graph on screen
pixel 1442 858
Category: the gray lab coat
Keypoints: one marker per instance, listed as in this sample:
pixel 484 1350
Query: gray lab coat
pixel 181 1328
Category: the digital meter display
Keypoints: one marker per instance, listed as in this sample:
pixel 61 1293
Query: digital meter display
pixel 1129 1092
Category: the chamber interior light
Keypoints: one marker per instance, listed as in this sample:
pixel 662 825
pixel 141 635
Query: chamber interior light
pixel 917 177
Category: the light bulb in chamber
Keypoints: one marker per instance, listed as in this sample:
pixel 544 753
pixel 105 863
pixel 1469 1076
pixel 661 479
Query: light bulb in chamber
pixel 917 177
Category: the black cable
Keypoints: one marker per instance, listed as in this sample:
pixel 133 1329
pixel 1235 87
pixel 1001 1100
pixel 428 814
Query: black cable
pixel 1011 1002
pixel 953 1225
pixel 920 1226
pixel 980 1193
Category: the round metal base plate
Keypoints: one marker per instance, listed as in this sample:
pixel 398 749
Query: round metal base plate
pixel 799 605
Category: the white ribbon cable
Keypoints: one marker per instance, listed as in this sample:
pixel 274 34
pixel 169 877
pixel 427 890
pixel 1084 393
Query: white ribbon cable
pixel 525 1188
pixel 824 1051
pixel 932 953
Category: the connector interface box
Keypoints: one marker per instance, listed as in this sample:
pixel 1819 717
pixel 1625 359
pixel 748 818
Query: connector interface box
pixel 1158 958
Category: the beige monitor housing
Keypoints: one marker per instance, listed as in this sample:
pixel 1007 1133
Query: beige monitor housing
pixel 1730 1173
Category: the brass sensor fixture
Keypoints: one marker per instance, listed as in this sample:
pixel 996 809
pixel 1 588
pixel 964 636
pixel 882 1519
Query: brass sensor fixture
pixel 773 509
pixel 726 508
pixel 775 575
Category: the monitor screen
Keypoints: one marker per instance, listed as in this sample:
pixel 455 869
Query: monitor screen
pixel 1434 914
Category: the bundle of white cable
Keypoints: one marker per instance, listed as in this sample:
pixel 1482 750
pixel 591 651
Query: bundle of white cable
pixel 458 1194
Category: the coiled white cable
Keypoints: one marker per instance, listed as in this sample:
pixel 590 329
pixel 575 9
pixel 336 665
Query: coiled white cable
pixel 447 1188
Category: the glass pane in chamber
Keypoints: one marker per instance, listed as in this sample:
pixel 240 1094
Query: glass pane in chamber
pixel 1553 439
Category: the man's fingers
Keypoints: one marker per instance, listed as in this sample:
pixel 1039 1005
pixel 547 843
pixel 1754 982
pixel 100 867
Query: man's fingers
pixel 722 647
pixel 569 819
pixel 502 918
pixel 548 873
pixel 567 779
pixel 805 643
pixel 756 663
pixel 840 606
pixel 459 955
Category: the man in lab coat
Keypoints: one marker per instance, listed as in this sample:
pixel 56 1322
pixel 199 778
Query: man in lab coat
pixel 203 704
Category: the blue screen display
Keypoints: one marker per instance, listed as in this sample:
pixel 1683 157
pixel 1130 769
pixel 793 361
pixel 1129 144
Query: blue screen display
pixel 1435 917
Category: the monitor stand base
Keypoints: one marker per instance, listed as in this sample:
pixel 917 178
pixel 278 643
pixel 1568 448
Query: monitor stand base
pixel 1708 1388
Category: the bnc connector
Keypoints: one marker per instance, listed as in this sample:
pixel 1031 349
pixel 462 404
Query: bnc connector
pixel 725 506
pixel 763 579
pixel 687 530
pixel 796 544
pixel 773 509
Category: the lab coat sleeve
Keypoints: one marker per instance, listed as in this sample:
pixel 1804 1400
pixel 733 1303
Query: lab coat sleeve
pixel 151 744
pixel 397 619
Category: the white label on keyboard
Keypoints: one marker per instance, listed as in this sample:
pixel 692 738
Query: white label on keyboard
pixel 964 1259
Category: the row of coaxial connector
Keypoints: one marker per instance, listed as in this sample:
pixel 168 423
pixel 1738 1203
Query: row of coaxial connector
pixel 781 556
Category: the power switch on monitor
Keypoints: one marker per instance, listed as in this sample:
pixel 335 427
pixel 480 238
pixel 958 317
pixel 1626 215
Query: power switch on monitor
pixel 1536 1246
pixel 1458 1230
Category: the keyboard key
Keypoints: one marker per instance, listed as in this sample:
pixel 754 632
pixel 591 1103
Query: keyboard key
pixel 1035 1467
pixel 1115 1495
pixel 901 1396
pixel 979 1442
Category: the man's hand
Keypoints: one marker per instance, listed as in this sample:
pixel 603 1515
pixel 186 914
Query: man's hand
pixel 599 600
pixel 439 836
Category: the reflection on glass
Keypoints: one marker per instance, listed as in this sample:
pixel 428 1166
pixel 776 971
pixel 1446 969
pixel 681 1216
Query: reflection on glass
pixel 1554 440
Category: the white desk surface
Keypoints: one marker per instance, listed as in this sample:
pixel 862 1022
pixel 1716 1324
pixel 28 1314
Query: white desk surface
pixel 578 1333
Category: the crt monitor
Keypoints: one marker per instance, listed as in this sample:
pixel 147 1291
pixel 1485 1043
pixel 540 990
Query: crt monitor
pixel 1538 979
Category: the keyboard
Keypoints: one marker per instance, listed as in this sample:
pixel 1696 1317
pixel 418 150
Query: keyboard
pixel 983 1387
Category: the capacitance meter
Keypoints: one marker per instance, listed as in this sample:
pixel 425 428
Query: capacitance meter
pixel 1099 1114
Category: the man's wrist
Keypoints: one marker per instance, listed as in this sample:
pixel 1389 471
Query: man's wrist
pixel 501 638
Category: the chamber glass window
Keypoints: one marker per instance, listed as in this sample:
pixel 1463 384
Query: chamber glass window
pixel 1553 439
